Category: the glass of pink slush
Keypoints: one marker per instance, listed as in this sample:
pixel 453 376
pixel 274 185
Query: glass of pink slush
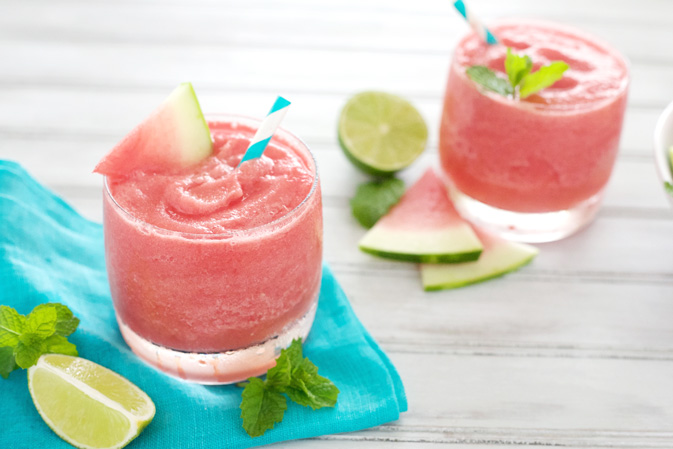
pixel 533 169
pixel 213 269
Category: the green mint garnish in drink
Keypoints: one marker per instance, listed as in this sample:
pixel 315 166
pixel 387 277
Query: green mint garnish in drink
pixel 264 402
pixel 520 78
pixel 373 199
pixel 23 339
pixel 517 67
pixel 489 80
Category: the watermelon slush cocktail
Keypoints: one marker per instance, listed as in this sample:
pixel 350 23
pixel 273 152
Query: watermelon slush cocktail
pixel 533 169
pixel 214 268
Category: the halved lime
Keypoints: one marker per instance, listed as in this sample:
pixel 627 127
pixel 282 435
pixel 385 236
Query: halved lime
pixel 381 133
pixel 87 405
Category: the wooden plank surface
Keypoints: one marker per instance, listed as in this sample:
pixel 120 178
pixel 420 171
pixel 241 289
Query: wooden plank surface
pixel 575 350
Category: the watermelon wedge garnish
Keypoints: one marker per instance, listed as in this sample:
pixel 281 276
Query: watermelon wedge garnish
pixel 423 227
pixel 498 258
pixel 174 136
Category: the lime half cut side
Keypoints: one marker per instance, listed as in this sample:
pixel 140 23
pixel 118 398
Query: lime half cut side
pixel 381 133
pixel 88 405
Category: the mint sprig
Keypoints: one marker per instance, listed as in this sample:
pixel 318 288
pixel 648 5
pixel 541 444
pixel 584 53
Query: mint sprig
pixel 541 79
pixel 23 339
pixel 373 199
pixel 487 78
pixel 263 402
pixel 517 67
pixel 521 79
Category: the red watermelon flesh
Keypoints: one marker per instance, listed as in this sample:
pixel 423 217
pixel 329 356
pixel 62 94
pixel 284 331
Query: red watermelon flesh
pixel 174 136
pixel 423 227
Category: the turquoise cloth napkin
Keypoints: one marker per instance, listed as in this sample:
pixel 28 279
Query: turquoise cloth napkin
pixel 49 253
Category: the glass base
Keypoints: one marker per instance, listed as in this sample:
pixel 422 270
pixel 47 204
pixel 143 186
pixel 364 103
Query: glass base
pixel 218 368
pixel 526 227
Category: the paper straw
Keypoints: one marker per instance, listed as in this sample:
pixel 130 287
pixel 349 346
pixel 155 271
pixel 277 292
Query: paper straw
pixel 266 129
pixel 475 23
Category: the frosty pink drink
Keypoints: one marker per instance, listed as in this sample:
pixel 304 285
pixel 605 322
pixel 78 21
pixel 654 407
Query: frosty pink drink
pixel 533 169
pixel 214 268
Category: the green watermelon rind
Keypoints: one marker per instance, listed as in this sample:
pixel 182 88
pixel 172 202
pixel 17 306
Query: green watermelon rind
pixel 197 140
pixel 522 255
pixel 448 245
pixel 174 135
pixel 425 258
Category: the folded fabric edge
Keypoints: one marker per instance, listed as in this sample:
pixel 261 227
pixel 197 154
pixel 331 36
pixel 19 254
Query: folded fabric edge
pixel 393 376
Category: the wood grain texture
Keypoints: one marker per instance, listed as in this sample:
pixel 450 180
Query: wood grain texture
pixel 574 350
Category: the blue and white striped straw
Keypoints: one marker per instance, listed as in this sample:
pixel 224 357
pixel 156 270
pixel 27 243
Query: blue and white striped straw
pixel 475 23
pixel 266 129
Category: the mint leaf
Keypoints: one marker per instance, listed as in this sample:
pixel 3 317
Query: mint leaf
pixel 278 377
pixel 12 324
pixel 263 403
pixel 24 339
pixel 261 408
pixel 57 344
pixel 7 363
pixel 66 322
pixel 305 386
pixel 517 67
pixel 488 79
pixel 543 78
pixel 373 199
pixel 31 346
pixel 294 352
pixel 41 322
pixel 309 389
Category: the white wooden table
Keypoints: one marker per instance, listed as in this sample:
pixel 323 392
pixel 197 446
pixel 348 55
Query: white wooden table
pixel 575 350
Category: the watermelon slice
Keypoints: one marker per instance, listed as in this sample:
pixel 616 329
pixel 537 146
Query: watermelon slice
pixel 175 135
pixel 423 227
pixel 499 257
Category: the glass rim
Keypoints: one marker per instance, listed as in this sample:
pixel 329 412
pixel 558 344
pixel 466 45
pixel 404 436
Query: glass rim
pixel 554 109
pixel 233 232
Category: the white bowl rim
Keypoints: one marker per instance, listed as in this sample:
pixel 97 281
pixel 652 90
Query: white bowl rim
pixel 662 143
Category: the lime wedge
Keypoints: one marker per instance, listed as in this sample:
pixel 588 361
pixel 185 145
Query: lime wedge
pixel 87 405
pixel 381 133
